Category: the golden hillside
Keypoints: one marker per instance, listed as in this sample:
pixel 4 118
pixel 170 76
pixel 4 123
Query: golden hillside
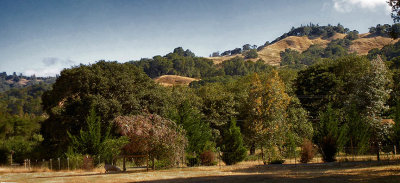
pixel 271 53
pixel 172 80
pixel 365 43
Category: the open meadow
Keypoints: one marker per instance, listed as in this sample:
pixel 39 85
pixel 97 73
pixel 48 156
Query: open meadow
pixel 242 172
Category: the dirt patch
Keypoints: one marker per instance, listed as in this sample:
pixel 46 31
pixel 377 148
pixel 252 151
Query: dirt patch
pixel 171 80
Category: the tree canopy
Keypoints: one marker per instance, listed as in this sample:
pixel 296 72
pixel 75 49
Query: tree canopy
pixel 112 88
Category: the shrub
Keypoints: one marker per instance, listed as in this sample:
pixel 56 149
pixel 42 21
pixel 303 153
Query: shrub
pixel 329 149
pixel 152 134
pixel 207 158
pixel 277 161
pixel 192 160
pixel 75 159
pixel 163 163
pixel 307 151
pixel 4 155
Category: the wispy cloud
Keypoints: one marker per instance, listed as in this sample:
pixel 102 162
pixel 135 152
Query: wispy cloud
pixel 51 66
pixel 50 61
pixel 346 6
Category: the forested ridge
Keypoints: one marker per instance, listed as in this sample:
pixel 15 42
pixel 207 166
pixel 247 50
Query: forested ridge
pixel 324 95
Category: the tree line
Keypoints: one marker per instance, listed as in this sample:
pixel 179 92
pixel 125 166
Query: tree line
pixel 323 96
pixel 333 103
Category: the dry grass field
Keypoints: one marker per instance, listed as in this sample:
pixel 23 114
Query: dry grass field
pixel 243 172
pixel 172 80
pixel 271 53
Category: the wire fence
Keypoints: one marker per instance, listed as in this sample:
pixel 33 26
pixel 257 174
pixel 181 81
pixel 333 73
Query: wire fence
pixel 346 154
pixel 387 153
pixel 79 163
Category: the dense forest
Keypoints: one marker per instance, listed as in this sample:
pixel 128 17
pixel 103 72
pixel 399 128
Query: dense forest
pixel 324 95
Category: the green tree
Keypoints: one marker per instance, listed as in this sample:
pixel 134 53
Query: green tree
pixel 233 150
pixel 331 135
pixel 253 128
pixel 358 132
pixel 290 57
pixel 198 132
pixel 352 35
pixel 218 105
pixel 111 88
pixel 19 134
pixel 252 53
pixel 372 95
pixel 96 142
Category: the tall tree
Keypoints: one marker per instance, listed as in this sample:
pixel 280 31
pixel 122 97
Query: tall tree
pixel 111 88
pixel 374 93
pixel 253 124
pixel 233 149
pixel 274 107
pixel 331 134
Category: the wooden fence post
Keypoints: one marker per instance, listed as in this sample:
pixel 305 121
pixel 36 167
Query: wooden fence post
pixel 147 163
pixel 123 164
pixel 11 159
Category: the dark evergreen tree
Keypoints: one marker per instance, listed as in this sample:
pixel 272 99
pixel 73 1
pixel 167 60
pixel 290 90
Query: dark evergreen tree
pixel 331 135
pixel 233 150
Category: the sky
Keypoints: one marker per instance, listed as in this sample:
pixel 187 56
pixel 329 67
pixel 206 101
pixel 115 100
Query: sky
pixel 42 37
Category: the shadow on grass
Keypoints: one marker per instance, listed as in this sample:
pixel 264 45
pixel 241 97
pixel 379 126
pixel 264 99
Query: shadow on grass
pixel 315 166
pixel 92 174
pixel 303 173
pixel 279 179
pixel 328 173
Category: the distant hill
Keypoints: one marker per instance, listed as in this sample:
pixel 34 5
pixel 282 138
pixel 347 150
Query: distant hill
pixel 271 53
pixel 8 82
pixel 172 80
pixel 300 39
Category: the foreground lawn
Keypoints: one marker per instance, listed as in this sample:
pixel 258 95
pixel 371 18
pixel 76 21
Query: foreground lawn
pixel 244 172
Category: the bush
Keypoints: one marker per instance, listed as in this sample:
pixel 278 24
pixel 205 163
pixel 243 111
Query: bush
pixel 207 158
pixel 162 138
pixel 307 151
pixel 277 161
pixel 163 163
pixel 329 149
pixel 192 160
pixel 4 155
pixel 75 159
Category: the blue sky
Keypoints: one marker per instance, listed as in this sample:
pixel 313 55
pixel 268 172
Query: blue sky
pixel 43 37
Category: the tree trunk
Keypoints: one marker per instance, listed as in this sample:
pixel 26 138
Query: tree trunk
pixel 154 165
pixel 262 156
pixel 377 152
pixel 123 165
pixel 252 149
